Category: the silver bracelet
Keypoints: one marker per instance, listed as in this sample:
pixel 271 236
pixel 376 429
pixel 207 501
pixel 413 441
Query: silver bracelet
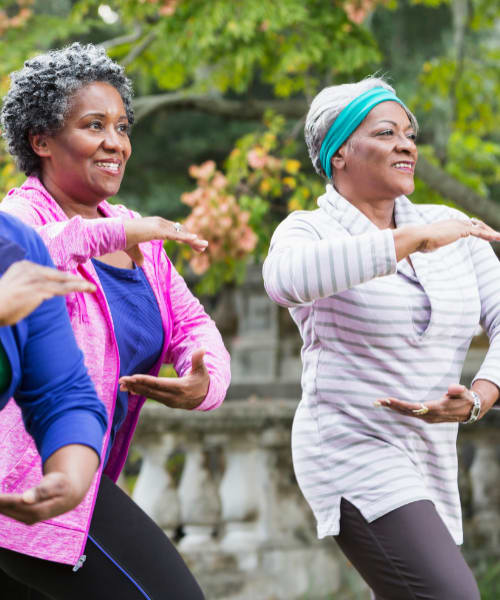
pixel 476 409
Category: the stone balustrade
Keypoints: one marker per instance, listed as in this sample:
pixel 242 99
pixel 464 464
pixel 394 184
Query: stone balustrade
pixel 221 485
pixel 479 481
pixel 235 511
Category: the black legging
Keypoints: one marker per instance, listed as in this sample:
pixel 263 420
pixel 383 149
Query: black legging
pixel 128 557
pixel 408 554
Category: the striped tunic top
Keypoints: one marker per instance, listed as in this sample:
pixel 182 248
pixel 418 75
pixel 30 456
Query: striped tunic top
pixel 373 328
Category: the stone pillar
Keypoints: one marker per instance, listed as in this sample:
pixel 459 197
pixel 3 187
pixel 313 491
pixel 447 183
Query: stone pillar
pixel 154 490
pixel 485 477
pixel 200 504
pixel 255 348
pixel 239 493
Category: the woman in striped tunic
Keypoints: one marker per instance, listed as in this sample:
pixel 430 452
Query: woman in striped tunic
pixel 387 296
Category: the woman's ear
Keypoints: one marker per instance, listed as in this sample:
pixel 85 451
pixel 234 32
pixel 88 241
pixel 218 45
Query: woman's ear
pixel 338 159
pixel 39 144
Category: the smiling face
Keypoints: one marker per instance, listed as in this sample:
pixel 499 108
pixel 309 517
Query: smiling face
pixel 84 162
pixel 378 161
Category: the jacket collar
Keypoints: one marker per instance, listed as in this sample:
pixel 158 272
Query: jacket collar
pixel 44 201
pixel 355 222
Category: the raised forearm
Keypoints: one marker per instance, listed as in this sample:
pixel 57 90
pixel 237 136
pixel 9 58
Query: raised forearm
pixel 432 236
pixel 409 239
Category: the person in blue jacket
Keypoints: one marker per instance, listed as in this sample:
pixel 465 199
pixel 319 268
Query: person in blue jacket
pixel 42 368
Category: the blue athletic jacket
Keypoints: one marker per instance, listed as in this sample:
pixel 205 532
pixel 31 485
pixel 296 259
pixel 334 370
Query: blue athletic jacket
pixel 49 379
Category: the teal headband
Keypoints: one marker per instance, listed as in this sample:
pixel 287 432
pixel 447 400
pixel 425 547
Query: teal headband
pixel 348 120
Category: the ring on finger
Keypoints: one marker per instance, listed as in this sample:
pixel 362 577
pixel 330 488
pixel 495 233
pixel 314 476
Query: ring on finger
pixel 423 410
pixel 475 222
pixel 177 226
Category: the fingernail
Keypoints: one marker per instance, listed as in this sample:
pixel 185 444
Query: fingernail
pixel 29 496
pixel 382 402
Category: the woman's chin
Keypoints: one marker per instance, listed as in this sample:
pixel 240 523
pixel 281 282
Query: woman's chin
pixel 107 191
pixel 407 188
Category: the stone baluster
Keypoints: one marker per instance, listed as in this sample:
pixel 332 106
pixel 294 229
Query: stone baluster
pixel 240 488
pixel 275 510
pixel 154 490
pixel 200 503
pixel 485 475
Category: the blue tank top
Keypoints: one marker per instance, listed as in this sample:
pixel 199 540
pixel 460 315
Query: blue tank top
pixel 137 324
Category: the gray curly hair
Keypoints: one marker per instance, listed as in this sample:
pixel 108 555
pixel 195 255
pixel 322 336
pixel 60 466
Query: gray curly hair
pixel 327 106
pixel 40 93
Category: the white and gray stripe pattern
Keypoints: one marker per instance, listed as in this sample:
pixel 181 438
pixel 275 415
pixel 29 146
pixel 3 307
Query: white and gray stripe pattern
pixel 372 328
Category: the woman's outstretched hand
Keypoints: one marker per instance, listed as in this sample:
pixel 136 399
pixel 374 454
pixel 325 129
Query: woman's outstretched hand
pixel 25 285
pixel 427 238
pixel 443 233
pixel 186 392
pixel 453 407
pixel 68 475
pixel 157 228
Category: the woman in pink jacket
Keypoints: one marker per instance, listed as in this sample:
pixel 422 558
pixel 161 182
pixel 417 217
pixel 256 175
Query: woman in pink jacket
pixel 66 120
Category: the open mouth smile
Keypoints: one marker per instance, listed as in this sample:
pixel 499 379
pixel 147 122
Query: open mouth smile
pixel 110 167
pixel 406 166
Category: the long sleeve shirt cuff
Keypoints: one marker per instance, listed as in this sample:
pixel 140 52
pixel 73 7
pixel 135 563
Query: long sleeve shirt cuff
pixel 214 397
pixel 74 427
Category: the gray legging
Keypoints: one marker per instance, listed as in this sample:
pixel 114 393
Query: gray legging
pixel 407 554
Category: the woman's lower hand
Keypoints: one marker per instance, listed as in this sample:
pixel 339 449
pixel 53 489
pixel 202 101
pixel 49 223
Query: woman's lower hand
pixel 146 229
pixel 186 392
pixel 68 475
pixel 25 285
pixel 454 407
pixel 46 500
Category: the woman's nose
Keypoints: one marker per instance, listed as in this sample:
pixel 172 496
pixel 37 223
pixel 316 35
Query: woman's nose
pixel 112 139
pixel 406 143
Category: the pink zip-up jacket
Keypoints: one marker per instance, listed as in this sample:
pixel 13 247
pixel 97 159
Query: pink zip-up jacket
pixel 72 243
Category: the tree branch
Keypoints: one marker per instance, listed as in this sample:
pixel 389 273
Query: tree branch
pixel 215 104
pixel 129 38
pixel 139 49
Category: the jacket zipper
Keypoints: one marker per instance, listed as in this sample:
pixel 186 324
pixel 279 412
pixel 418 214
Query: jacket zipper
pixel 79 563
pixel 107 314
